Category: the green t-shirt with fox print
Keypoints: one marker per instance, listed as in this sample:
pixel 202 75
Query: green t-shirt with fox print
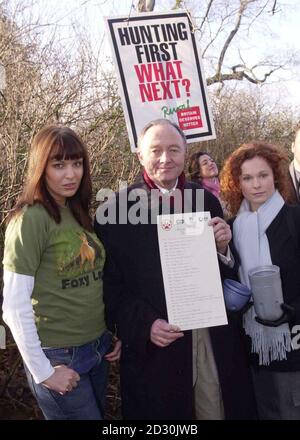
pixel 66 262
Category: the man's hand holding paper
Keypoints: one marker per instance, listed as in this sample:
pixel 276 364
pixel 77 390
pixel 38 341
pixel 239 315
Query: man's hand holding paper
pixel 163 333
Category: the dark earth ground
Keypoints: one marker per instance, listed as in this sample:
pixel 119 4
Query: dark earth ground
pixel 16 400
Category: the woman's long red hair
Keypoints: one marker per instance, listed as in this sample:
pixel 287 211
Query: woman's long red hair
pixel 230 176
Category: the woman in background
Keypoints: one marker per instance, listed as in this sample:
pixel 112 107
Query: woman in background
pixel 203 170
pixel 53 264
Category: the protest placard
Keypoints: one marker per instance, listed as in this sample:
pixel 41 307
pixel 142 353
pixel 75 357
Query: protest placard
pixel 160 73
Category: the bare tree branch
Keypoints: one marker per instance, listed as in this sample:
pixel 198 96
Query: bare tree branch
pixel 242 8
pixel 239 75
pixel 206 14
pixel 274 7
pixel 145 5
pixel 260 12
pixel 177 4
pixel 212 38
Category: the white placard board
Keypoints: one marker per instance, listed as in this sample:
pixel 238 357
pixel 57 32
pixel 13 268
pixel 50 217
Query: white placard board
pixel 160 73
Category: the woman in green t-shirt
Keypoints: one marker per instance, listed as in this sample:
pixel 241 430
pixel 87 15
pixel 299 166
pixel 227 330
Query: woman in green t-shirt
pixel 53 281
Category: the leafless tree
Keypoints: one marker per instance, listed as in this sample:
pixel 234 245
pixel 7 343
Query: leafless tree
pixel 227 29
pixel 247 115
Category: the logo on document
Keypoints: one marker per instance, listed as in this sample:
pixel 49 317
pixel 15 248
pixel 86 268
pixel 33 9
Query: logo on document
pixel 166 225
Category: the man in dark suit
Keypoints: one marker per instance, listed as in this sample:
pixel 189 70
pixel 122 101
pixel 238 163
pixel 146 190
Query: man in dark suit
pixel 156 362
pixel 295 166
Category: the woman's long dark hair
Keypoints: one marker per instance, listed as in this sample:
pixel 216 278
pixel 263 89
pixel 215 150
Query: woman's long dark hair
pixel 59 142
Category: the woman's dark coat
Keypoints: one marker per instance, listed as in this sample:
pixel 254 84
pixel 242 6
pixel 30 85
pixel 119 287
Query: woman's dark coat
pixel 284 241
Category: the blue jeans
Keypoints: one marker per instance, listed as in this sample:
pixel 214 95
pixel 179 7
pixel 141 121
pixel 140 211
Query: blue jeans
pixel 86 401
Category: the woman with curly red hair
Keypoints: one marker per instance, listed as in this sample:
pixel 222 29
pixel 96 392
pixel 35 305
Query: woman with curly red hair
pixel 255 186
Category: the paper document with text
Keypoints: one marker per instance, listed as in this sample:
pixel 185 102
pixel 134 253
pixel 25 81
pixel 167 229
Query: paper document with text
pixel 190 269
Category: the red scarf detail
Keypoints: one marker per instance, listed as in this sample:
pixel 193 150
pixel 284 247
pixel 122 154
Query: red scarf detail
pixel 180 185
pixel 151 184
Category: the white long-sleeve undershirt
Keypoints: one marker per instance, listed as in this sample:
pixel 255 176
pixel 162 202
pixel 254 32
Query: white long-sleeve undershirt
pixel 18 315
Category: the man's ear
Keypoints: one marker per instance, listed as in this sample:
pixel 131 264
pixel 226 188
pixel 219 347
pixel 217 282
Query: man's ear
pixel 293 147
pixel 140 157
